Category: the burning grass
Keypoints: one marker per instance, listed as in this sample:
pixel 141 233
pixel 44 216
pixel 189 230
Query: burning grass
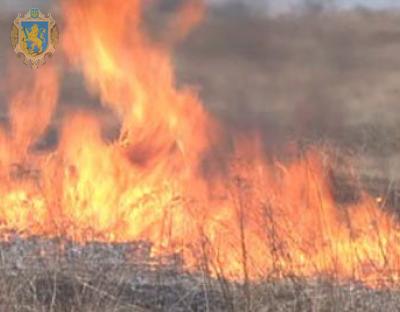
pixel 225 225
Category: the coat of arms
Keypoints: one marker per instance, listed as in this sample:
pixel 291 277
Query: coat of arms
pixel 35 36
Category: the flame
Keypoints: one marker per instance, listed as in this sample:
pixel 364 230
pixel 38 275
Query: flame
pixel 252 219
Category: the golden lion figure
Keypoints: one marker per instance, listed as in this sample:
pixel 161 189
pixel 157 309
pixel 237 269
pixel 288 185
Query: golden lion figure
pixel 35 38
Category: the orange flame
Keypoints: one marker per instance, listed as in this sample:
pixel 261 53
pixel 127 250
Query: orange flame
pixel 252 220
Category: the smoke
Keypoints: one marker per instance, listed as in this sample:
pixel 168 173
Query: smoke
pixel 11 6
pixel 312 77
pixel 302 76
pixel 289 6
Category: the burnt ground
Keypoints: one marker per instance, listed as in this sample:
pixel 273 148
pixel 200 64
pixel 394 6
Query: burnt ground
pixel 53 275
pixel 330 79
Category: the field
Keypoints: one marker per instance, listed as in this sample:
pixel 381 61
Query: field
pixel 328 80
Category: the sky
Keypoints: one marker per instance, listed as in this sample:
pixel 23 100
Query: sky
pixel 285 5
pixel 370 3
pixel 342 3
pixel 274 5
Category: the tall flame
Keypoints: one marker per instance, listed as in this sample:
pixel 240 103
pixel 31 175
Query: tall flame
pixel 253 219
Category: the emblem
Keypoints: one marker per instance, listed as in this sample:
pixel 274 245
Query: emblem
pixel 34 36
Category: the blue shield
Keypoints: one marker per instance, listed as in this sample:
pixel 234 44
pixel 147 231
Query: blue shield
pixel 35 37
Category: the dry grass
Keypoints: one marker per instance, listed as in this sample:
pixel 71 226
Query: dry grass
pixel 101 277
pixel 55 275
pixel 326 77
pixel 39 274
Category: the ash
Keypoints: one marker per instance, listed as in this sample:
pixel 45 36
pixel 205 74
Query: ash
pixel 41 274
pixel 124 276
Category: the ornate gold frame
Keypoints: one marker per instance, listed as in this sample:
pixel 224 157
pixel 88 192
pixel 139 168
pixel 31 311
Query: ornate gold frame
pixel 16 35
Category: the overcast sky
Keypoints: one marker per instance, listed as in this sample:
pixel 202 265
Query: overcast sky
pixel 285 5
pixel 274 5
pixel 343 3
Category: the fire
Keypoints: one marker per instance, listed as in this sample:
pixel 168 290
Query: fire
pixel 253 219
